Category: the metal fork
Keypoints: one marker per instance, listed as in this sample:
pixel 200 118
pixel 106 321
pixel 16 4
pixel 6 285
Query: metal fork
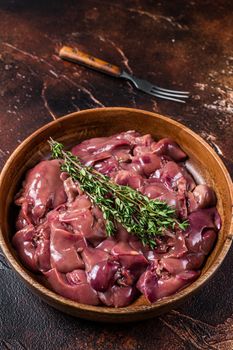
pixel 77 56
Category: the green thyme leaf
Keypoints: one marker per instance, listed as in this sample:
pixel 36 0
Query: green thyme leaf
pixel 138 214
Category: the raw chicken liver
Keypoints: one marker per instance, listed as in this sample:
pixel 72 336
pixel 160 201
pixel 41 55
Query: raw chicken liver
pixel 61 235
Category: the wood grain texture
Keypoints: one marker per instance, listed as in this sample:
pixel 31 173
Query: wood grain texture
pixel 77 56
pixel 186 45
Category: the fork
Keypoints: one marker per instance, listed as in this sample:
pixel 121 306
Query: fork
pixel 77 56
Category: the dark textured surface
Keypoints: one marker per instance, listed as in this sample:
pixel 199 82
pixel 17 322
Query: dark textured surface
pixel 185 44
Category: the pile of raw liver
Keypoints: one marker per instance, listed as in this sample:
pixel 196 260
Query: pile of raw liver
pixel 62 235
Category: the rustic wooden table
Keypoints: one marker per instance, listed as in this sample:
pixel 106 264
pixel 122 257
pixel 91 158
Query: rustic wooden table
pixel 183 44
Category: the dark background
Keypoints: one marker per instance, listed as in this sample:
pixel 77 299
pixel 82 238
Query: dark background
pixel 180 44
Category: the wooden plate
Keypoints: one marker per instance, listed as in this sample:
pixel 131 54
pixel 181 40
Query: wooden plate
pixel 204 164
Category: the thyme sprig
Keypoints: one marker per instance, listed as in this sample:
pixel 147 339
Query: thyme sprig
pixel 138 214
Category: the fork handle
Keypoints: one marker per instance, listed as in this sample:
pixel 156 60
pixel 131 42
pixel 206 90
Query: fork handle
pixel 77 56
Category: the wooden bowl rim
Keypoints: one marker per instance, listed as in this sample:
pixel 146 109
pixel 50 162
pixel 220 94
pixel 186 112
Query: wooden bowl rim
pixel 128 309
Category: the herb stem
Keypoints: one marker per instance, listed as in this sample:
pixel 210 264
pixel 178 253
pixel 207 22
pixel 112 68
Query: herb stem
pixel 144 217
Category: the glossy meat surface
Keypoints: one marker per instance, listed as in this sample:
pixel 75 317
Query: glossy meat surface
pixel 62 235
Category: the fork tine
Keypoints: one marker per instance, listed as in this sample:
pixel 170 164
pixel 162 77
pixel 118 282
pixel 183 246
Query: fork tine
pixel 169 94
pixel 166 90
pixel 166 97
